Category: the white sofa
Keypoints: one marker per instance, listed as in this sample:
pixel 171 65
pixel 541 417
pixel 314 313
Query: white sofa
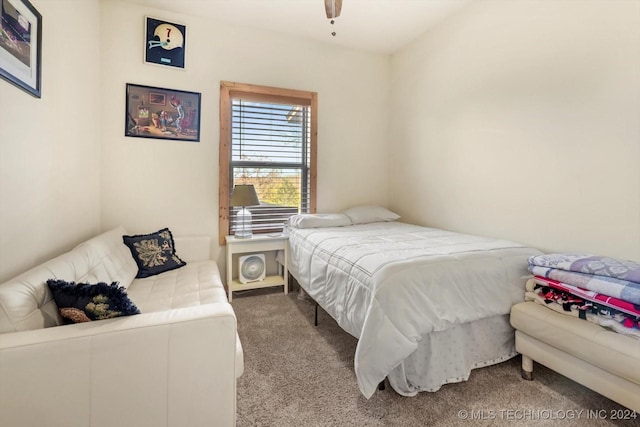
pixel 602 360
pixel 176 364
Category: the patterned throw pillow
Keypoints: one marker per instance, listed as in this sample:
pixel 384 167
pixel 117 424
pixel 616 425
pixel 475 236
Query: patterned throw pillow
pixel 85 302
pixel 154 253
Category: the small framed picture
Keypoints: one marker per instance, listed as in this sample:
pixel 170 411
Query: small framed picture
pixel 157 98
pixel 165 43
pixel 153 112
pixel 21 45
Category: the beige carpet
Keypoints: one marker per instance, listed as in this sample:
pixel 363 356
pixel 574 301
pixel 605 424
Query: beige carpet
pixel 297 374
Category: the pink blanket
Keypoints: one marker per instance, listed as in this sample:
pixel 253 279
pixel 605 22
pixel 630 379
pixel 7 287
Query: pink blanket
pixel 611 302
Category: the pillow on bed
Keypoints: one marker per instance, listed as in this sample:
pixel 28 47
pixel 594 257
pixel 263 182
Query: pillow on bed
pixel 318 220
pixel 367 213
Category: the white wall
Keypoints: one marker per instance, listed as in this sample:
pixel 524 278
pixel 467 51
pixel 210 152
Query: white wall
pixel 511 119
pixel 149 183
pixel 521 120
pixel 50 147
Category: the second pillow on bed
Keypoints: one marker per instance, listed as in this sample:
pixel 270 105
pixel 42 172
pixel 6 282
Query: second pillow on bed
pixel 366 214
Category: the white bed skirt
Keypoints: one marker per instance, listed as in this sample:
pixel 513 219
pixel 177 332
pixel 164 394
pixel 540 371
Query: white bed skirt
pixel 449 356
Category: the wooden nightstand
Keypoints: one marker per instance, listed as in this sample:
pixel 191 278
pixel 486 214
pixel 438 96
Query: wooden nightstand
pixel 256 244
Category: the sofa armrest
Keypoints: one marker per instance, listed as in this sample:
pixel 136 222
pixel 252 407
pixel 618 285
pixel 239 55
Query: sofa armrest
pixel 193 248
pixel 172 368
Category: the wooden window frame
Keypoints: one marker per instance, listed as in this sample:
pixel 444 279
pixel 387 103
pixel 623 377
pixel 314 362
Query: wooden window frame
pixel 228 90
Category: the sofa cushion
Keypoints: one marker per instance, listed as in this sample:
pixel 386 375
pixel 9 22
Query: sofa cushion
pixel 154 253
pixel 27 303
pixel 106 259
pixel 610 351
pixel 196 283
pixel 85 302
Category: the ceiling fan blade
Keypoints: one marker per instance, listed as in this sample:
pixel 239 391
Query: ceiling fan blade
pixel 332 7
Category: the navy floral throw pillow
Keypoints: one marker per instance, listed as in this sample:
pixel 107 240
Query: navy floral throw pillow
pixel 154 253
pixel 85 302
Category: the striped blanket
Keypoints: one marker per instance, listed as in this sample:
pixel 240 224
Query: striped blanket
pixel 551 296
pixel 612 303
pixel 607 276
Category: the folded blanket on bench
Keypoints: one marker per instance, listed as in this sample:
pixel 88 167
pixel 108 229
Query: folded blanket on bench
pixel 604 275
pixel 565 303
pixel 600 299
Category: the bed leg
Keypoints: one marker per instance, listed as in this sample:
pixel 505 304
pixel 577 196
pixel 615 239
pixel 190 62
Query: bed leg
pixel 527 368
pixel 315 322
pixel 381 386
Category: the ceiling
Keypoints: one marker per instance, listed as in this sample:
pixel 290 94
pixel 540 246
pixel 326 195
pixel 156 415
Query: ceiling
pixel 380 26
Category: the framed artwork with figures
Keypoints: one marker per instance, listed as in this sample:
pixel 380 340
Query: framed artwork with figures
pixel 160 113
pixel 165 43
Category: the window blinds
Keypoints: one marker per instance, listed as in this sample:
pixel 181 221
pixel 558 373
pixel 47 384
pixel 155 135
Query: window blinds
pixel 270 148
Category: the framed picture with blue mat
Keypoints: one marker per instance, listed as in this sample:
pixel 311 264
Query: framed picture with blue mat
pixel 21 45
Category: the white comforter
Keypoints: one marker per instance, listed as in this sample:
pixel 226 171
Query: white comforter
pixel 388 284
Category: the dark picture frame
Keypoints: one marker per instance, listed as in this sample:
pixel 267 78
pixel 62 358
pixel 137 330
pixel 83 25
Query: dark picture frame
pixel 21 45
pixel 165 43
pixel 177 118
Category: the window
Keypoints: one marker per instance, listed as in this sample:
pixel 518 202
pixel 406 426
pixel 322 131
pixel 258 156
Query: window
pixel 268 139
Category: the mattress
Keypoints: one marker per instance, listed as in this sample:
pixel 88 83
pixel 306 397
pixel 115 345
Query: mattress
pixel 391 284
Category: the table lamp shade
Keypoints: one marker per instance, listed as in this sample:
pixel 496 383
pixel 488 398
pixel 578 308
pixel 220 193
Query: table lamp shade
pixel 244 195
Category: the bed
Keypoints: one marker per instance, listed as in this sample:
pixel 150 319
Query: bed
pixel 426 305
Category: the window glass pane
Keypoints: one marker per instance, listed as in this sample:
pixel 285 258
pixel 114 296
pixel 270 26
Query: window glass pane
pixel 270 149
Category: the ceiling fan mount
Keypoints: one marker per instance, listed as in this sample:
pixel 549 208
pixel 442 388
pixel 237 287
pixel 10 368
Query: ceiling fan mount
pixel 332 7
